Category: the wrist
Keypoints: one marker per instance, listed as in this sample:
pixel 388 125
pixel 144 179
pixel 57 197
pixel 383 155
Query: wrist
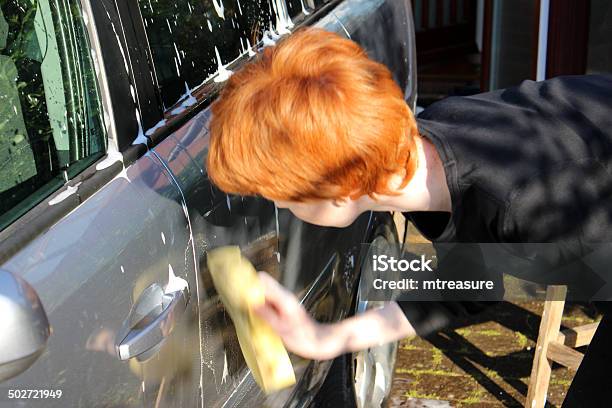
pixel 332 340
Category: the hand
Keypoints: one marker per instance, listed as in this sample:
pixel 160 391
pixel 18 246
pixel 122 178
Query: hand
pixel 301 334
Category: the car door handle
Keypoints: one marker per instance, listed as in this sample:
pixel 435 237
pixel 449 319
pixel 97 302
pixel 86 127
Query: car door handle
pixel 24 328
pixel 150 322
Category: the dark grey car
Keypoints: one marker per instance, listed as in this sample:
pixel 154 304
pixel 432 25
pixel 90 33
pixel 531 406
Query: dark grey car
pixel 106 212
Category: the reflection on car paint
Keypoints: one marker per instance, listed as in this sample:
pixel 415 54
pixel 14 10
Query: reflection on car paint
pixel 90 267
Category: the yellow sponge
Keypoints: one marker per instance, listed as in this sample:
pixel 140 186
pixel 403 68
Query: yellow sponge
pixel 240 290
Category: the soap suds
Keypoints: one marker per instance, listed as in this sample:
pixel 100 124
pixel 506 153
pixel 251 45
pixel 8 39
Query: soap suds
pixel 188 100
pixel 70 190
pixel 158 125
pixel 250 48
pixel 141 139
pixel 175 283
pixel 304 8
pixel 225 369
pixel 223 73
pixel 218 5
pixel 122 174
pixel 267 40
pixel 112 156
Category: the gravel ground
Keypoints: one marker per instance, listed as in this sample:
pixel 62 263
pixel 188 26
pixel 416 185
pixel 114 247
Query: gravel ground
pixel 485 362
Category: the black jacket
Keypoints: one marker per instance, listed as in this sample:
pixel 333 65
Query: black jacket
pixel 529 164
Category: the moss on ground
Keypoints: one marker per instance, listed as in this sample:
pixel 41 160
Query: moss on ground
pixel 485 362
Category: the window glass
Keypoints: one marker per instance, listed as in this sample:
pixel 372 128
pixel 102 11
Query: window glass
pixel 191 39
pixel 297 7
pixel 513 42
pixel 50 122
pixel 600 38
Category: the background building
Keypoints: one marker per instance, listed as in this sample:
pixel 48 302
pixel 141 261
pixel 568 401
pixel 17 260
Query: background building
pixel 469 46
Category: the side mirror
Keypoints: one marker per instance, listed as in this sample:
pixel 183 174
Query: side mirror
pixel 24 328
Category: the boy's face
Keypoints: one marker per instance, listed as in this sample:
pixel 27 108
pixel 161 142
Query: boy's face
pixel 326 213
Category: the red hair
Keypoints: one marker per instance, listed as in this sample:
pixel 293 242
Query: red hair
pixel 311 118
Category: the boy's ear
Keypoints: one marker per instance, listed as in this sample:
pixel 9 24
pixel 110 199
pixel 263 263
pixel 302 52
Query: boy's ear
pixel 341 202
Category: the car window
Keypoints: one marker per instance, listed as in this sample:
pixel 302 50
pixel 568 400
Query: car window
pixel 305 7
pixel 50 122
pixel 295 7
pixel 191 39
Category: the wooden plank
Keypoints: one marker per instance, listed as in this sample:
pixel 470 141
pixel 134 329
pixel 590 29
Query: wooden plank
pixel 564 355
pixel 413 236
pixel 578 336
pixel 400 225
pixel 549 331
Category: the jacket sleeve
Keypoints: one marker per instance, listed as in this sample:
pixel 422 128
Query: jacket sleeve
pixel 455 262
pixel 429 317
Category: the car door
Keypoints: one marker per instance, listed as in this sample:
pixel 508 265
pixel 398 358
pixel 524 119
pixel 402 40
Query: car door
pixel 325 261
pixel 191 49
pixel 385 29
pixel 187 43
pixel 96 250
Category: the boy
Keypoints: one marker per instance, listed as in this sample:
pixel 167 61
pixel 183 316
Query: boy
pixel 320 129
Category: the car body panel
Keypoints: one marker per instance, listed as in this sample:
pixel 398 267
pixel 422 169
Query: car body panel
pixel 161 212
pixel 318 264
pixel 89 269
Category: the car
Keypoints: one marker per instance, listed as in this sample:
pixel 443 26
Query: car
pixel 107 212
